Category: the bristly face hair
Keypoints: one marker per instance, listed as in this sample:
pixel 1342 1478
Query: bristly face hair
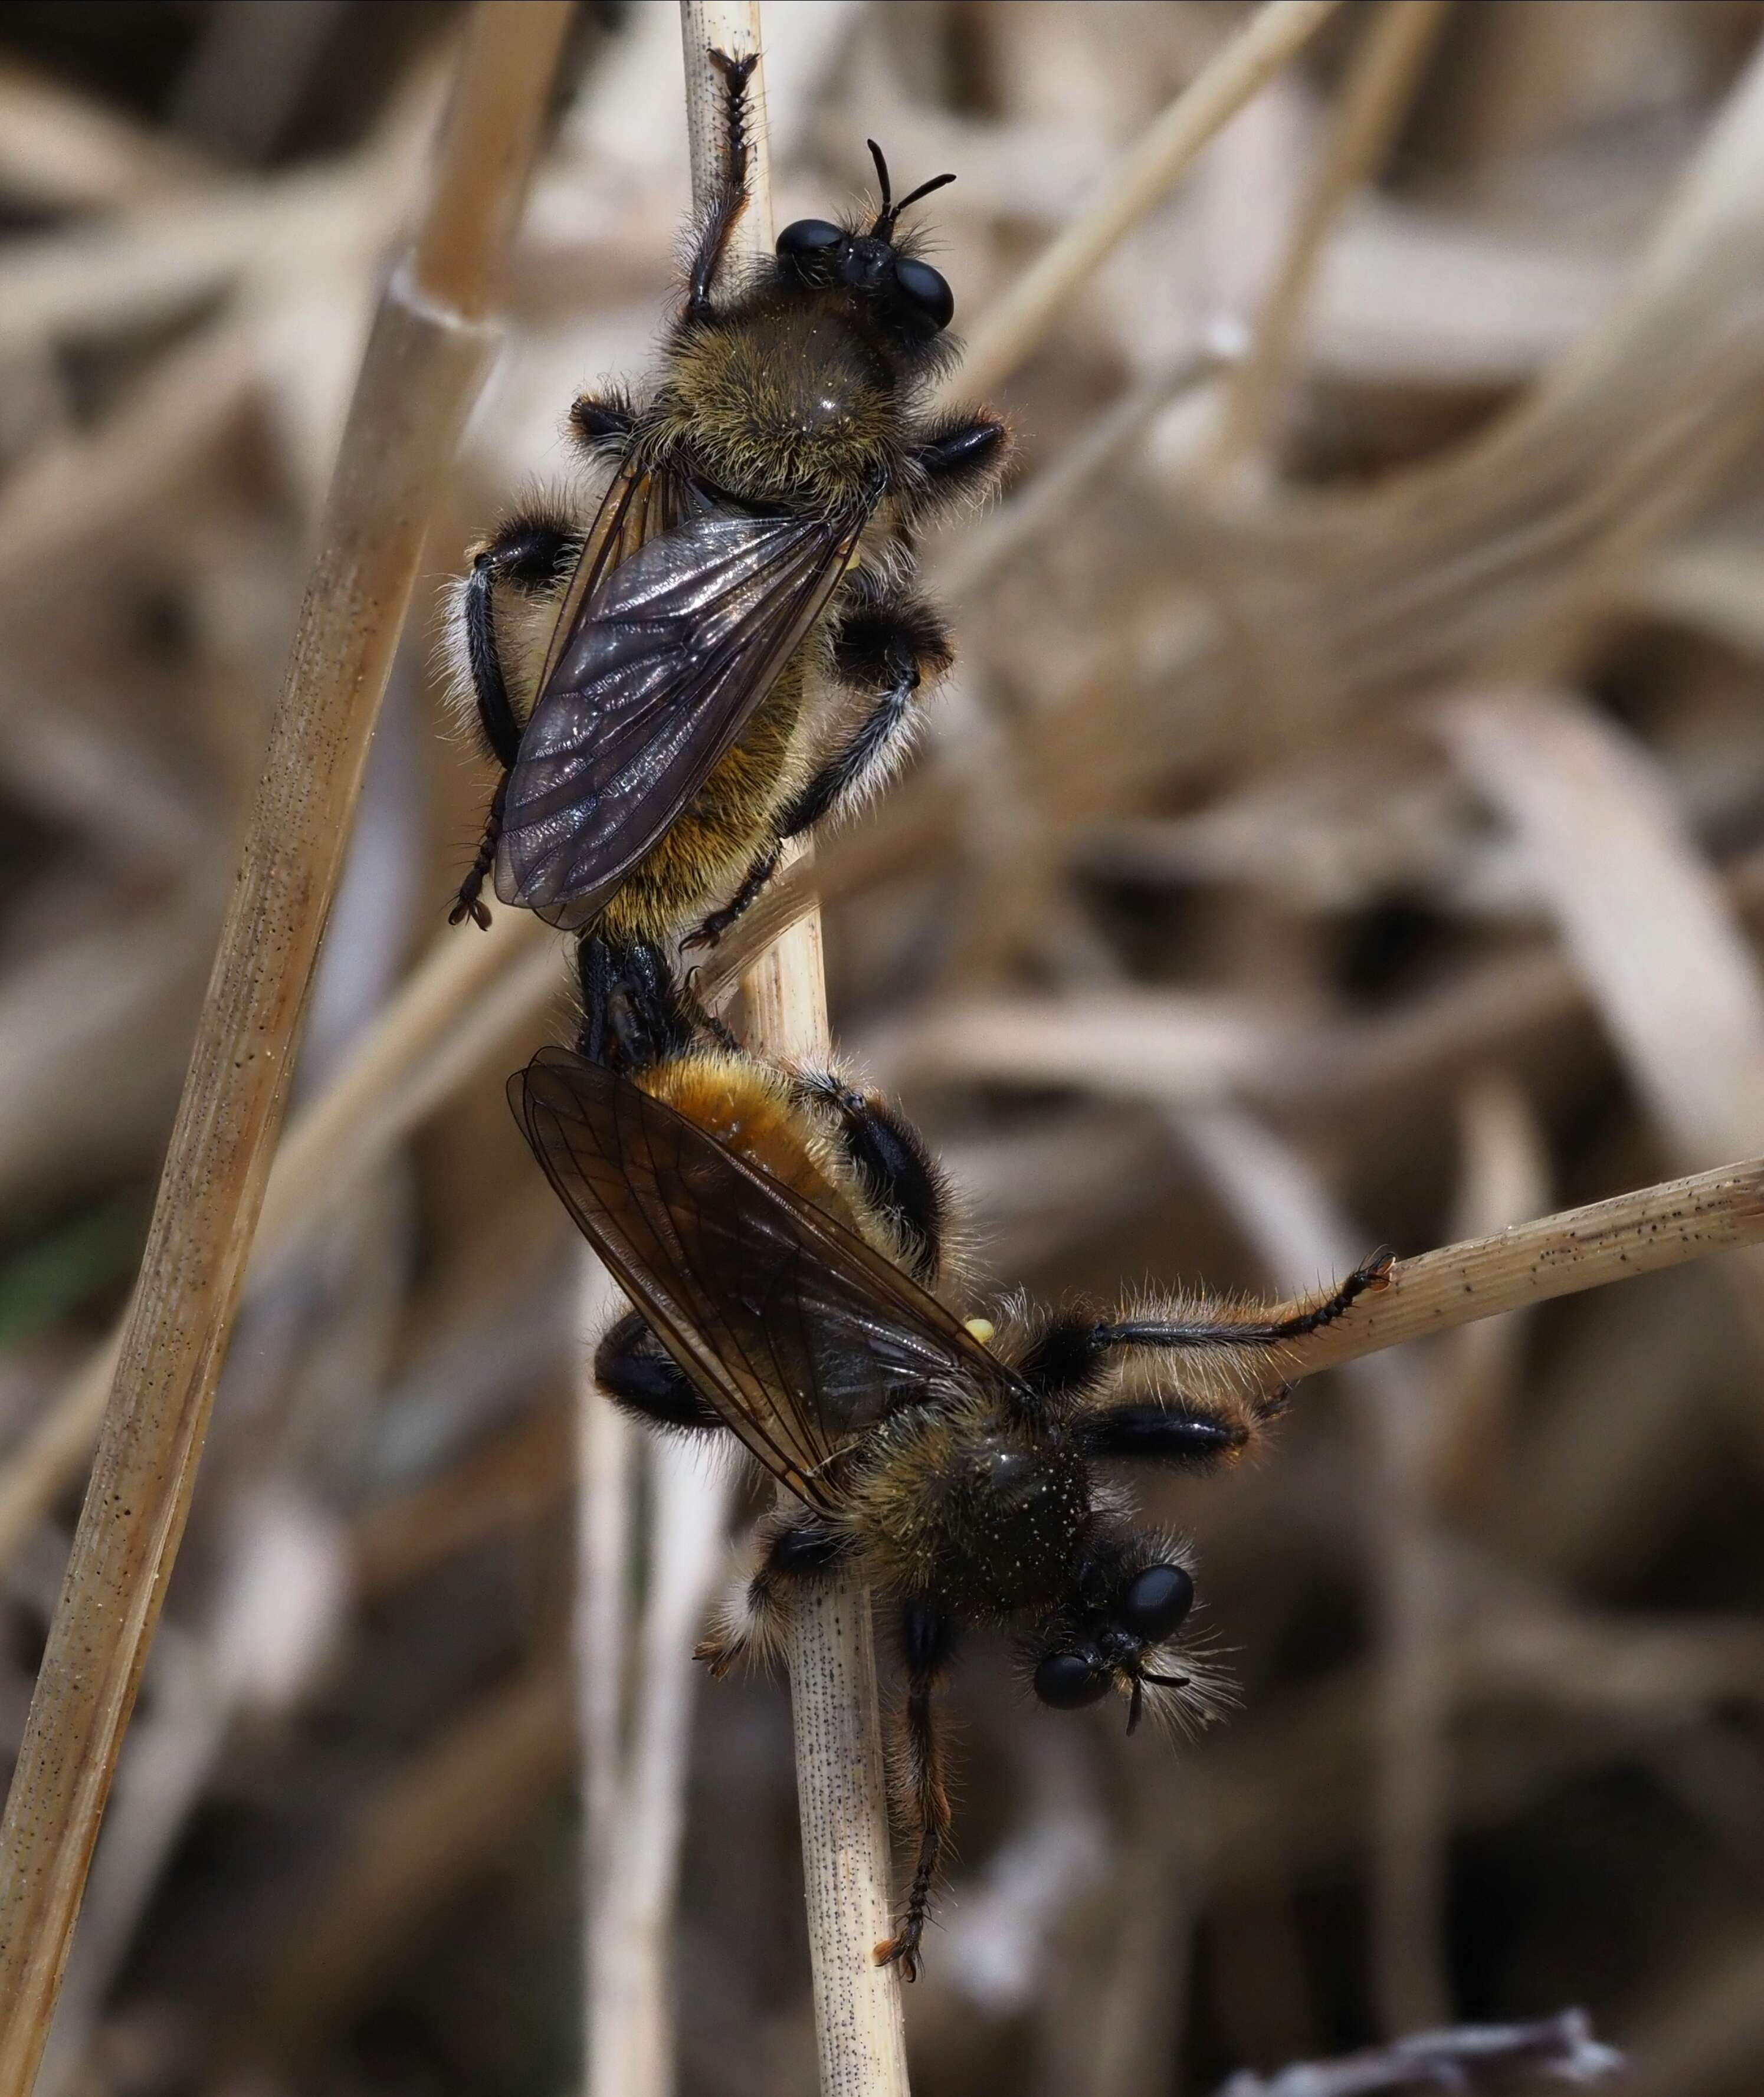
pixel 785 1239
pixel 666 684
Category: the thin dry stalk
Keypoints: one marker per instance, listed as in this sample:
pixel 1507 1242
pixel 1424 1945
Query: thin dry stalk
pixel 447 1812
pixel 423 365
pixel 841 1784
pixel 605 1474
pixel 1562 2048
pixel 1559 1255
pixel 63 148
pixel 1288 1211
pixel 688 1507
pixel 1012 328
pixel 458 1008
pixel 1374 100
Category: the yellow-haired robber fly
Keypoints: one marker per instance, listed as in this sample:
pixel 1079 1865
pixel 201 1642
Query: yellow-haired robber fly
pixel 751 558
pixel 785 1239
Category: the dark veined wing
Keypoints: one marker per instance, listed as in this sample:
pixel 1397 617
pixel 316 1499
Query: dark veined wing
pixel 673 640
pixel 638 506
pixel 799 1335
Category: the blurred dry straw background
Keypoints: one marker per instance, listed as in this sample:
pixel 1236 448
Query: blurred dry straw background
pixel 1345 824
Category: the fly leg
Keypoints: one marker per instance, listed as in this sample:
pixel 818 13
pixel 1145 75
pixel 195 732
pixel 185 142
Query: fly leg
pixel 641 1378
pixel 732 197
pixel 1210 1377
pixel 713 928
pixel 960 457
pixel 885 644
pixel 602 424
pixel 923 1778
pixel 792 1549
pixel 469 901
pixel 533 554
pixel 889 1156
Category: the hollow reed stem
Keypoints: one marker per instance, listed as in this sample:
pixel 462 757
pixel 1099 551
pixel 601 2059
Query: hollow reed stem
pixel 426 357
pixel 841 1784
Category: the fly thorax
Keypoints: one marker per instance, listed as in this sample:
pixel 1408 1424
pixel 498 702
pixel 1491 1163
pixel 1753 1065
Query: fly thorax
pixel 787 407
pixel 978 1520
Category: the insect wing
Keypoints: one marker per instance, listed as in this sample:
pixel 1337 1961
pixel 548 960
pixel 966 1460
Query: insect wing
pixel 799 1335
pixel 672 651
pixel 638 506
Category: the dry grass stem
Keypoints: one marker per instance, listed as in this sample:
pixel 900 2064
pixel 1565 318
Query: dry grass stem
pixel 423 368
pixel 605 1478
pixel 1559 2049
pixel 457 1010
pixel 1374 100
pixel 842 1785
pixel 1611 1240
pixel 1009 330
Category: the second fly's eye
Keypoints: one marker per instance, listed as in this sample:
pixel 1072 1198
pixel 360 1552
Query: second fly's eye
pixel 932 302
pixel 1156 1601
pixel 1067 1681
pixel 808 241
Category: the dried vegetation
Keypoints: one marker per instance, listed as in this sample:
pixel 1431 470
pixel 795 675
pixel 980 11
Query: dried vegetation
pixel 1345 825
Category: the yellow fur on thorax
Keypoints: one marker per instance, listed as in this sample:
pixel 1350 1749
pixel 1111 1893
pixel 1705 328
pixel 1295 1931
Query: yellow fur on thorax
pixel 755 423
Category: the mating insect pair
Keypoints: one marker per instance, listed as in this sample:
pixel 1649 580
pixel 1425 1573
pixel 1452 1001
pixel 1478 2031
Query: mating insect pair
pixel 783 1236
pixel 755 543
pixel 785 1239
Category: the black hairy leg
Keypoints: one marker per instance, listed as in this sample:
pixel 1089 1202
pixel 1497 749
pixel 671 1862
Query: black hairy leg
pixel 531 553
pixel 1072 1352
pixel 793 1548
pixel 889 1158
pixel 468 902
pixel 927 1640
pixel 731 198
pixel 633 1016
pixel 641 1378
pixel 844 779
pixel 962 457
pixel 885 644
pixel 711 929
pixel 601 424
pixel 1180 1433
pixel 1370 1274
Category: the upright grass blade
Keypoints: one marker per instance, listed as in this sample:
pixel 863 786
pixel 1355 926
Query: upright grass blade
pixel 426 357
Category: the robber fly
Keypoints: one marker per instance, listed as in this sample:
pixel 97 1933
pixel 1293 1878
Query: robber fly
pixel 754 537
pixel 784 1238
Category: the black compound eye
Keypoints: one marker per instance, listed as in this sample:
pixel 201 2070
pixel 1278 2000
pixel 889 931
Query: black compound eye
pixel 1156 1601
pixel 1067 1680
pixel 929 297
pixel 809 240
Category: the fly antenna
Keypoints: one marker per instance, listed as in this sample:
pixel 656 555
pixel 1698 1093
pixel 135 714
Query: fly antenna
pixel 924 190
pixel 884 218
pixel 884 227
